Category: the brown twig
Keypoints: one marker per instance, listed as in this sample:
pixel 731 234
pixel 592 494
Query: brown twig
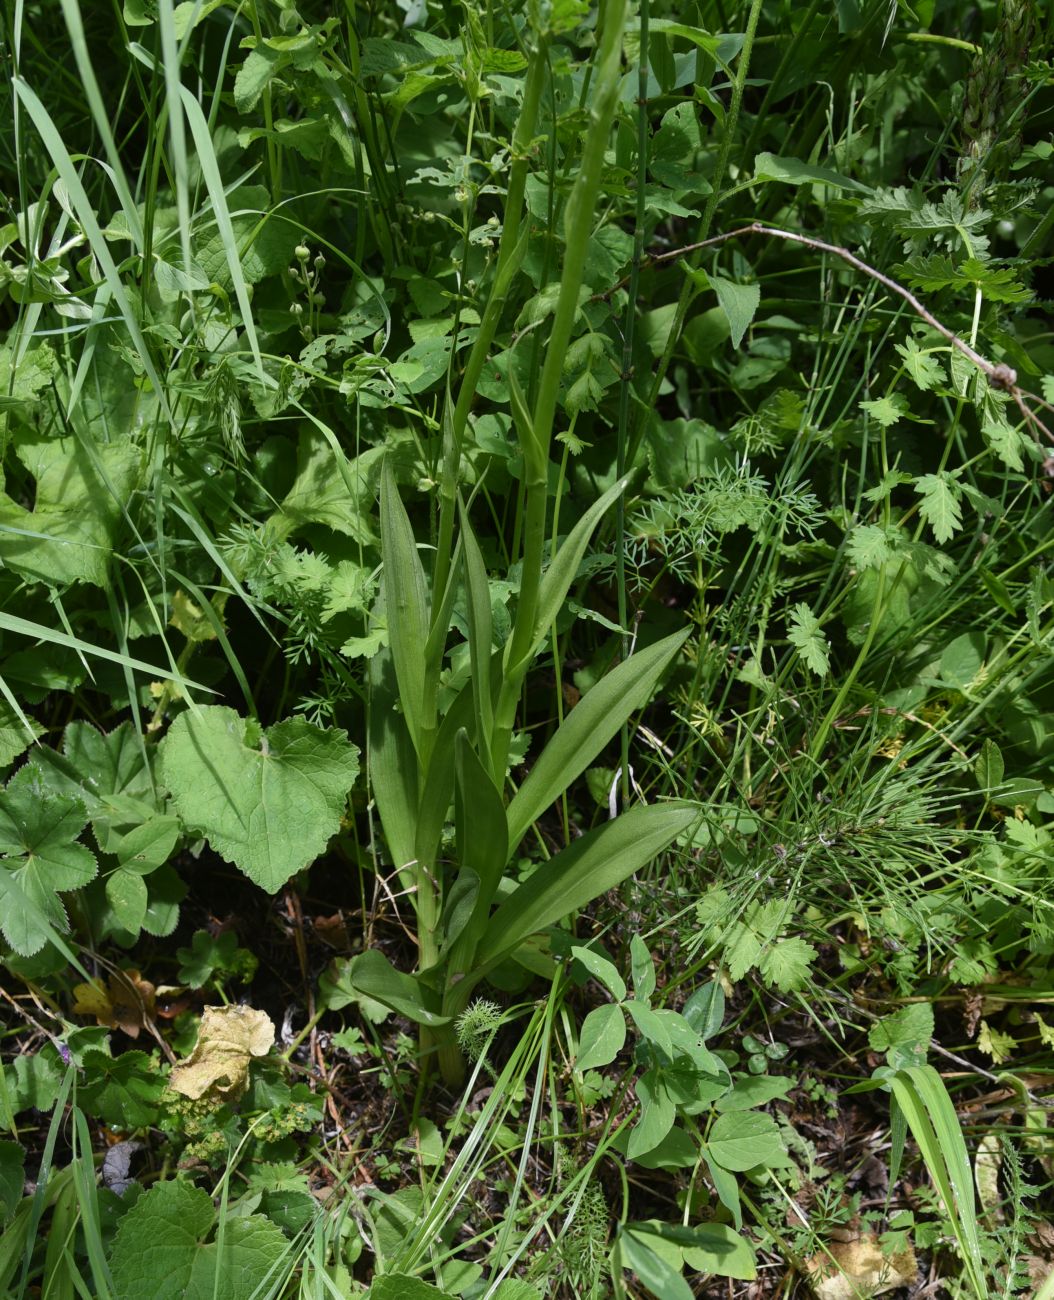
pixel 998 374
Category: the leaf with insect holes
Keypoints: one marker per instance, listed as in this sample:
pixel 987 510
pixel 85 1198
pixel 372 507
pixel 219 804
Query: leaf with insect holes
pixel 267 799
pixel 940 504
pixel 805 635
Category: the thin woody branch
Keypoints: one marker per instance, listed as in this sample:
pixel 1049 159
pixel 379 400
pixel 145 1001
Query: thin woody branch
pixel 998 374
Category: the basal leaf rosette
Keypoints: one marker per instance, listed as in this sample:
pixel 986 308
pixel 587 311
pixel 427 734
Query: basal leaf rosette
pixel 267 799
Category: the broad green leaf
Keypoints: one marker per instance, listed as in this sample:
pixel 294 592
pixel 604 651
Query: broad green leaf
pixel 752 1090
pixel 727 1187
pixel 587 868
pixel 904 1035
pixel 590 725
pixel 650 1026
pixel 69 534
pixel 657 1114
pixel 921 1094
pixel 602 1038
pixel 602 970
pixel 268 799
pixel 785 965
pixel 148 846
pixel 807 638
pixel 988 768
pixel 12 1178
pixel 940 504
pixel 663 1278
pixel 400 1286
pixel 406 604
pixel 15 739
pixel 372 974
pixel 769 167
pixel 40 856
pixel 122 1090
pixel 482 840
pixel 739 302
pixel 744 1140
pixel 705 1009
pixel 162 1252
pixel 330 489
pixel 127 895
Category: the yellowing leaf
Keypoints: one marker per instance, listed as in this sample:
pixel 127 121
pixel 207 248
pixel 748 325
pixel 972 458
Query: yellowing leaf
pixel 125 1002
pixel 218 1066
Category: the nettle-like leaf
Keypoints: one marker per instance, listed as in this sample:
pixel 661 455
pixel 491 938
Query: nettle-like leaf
pixel 69 534
pixel 40 858
pixel 940 504
pixel 267 799
pixel 162 1249
pixel 805 635
pixel 921 365
pixel 868 547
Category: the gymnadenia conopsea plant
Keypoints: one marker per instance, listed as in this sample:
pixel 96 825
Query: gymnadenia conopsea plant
pixel 470 916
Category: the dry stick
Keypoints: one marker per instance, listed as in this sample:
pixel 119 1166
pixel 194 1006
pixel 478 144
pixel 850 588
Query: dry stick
pixel 1000 376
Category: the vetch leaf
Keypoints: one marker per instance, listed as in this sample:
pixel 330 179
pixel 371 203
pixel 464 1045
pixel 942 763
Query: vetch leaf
pixel 268 800
pixel 602 970
pixel 602 1038
pixel 657 1114
pixel 743 1140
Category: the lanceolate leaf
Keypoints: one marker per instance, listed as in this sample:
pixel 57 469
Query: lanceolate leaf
pixel 557 579
pixel 587 729
pixel 373 974
pixel 393 764
pixel 584 870
pixel 406 603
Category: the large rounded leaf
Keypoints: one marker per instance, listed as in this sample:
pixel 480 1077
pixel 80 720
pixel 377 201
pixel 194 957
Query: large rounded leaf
pixel 267 800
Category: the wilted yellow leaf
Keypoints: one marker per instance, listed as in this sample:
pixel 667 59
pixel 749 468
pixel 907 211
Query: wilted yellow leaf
pixel 859 1268
pixel 125 1002
pixel 218 1067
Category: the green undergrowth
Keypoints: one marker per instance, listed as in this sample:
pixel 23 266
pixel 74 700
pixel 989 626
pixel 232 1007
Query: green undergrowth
pixel 526 691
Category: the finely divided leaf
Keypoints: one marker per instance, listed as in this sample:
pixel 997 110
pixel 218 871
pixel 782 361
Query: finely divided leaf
pixel 940 504
pixel 806 637
pixel 267 800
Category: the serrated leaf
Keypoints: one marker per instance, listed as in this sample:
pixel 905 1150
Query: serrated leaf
pixel 269 799
pixel 868 547
pixel 923 367
pixel 886 411
pixel 805 635
pixel 785 965
pixel 940 504
pixel 904 1035
pixel 41 856
pixel 161 1251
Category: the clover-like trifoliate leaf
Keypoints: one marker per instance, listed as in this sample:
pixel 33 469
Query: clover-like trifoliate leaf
pixel 160 1251
pixel 40 858
pixel 267 799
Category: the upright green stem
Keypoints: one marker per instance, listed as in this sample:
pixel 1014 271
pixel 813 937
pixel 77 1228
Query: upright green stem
pixel 510 255
pixel 688 290
pixel 625 387
pixel 535 439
